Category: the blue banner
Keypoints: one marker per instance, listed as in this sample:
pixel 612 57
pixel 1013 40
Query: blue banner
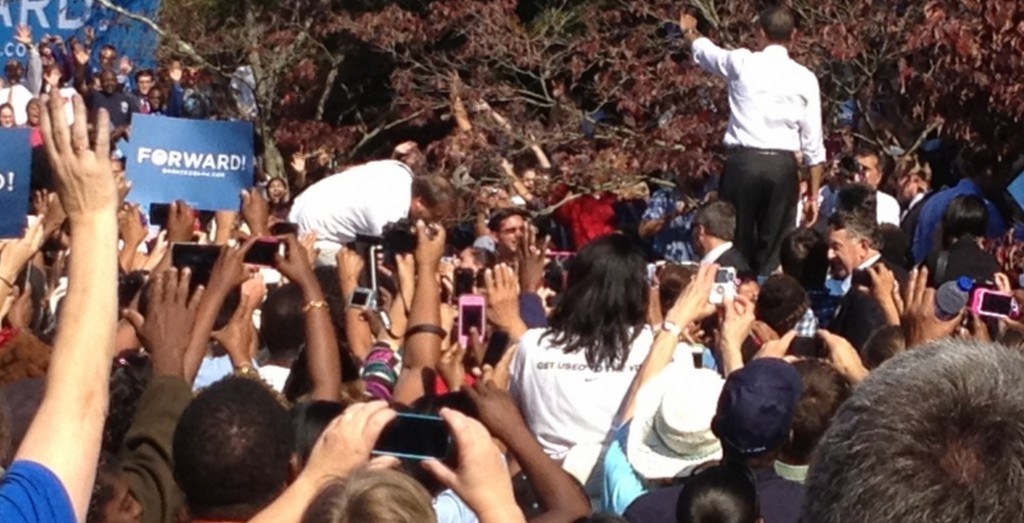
pixel 15 180
pixel 202 162
pixel 69 18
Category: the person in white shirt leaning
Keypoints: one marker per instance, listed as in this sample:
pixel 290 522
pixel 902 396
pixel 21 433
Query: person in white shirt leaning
pixel 775 118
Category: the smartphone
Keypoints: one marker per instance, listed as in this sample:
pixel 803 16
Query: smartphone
pixel 159 214
pixel 497 346
pixel 994 304
pixel 200 259
pixel 264 252
pixel 472 313
pixel 724 286
pixel 860 278
pixel 284 229
pixel 363 298
pixel 417 437
pixel 464 281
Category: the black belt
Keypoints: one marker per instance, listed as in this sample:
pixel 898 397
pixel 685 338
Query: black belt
pixel 766 152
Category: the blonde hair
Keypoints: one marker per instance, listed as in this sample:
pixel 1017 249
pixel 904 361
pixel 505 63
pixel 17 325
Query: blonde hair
pixel 372 496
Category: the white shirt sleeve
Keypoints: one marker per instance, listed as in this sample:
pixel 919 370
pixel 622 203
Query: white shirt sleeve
pixel 714 59
pixel 812 141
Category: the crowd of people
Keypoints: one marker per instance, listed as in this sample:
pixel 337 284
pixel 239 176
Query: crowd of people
pixel 815 336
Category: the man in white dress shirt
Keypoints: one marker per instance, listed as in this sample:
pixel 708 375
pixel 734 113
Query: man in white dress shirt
pixel 363 199
pixel 873 171
pixel 775 115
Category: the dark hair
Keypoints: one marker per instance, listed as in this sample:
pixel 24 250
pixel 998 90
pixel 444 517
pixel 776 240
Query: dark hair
pixel 723 494
pixel 672 281
pixel 781 303
pixel 885 164
pixel 498 218
pixel 144 72
pixel 232 448
pixel 436 192
pixel 604 305
pixel 718 218
pixel 804 256
pixel 309 420
pixel 965 218
pixel 129 378
pixel 943 422
pixel 858 225
pixel 282 323
pixel 825 389
pixel 777 23
pixel 601 517
pixel 895 245
pixel 884 343
pixel 858 198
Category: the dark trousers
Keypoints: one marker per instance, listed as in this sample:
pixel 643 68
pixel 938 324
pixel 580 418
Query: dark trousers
pixel 764 188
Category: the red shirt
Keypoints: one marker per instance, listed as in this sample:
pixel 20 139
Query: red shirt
pixel 589 217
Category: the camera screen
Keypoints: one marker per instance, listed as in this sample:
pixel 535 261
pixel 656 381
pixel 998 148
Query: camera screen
pixel 471 316
pixel 200 259
pixel 997 304
pixel 263 253
pixel 725 276
pixel 361 298
pixel 417 437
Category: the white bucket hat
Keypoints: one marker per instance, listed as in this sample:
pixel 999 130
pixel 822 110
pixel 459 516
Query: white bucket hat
pixel 670 433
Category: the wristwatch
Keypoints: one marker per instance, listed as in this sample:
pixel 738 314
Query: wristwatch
pixel 672 329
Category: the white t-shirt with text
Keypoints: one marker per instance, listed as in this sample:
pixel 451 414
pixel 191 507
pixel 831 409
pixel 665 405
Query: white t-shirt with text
pixel 566 403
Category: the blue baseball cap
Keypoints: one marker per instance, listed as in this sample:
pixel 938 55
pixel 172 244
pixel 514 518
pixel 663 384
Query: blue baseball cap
pixel 755 410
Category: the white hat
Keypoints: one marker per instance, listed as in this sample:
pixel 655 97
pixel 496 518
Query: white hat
pixel 670 433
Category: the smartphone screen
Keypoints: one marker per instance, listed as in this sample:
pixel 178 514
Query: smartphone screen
pixel 361 298
pixel 159 213
pixel 199 258
pixel 997 304
pixel 415 436
pixel 284 229
pixel 471 316
pixel 264 253
pixel 497 346
pixel 464 280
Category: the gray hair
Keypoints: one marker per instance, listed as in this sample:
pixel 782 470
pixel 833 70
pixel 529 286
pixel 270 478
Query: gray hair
pixel 934 435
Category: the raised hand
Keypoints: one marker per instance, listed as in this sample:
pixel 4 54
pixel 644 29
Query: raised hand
pixel 129 221
pixel 23 35
pixel 533 258
pixel 175 71
pixel 920 321
pixel 481 478
pixel 180 222
pixel 171 313
pixel 15 254
pixel 430 245
pixel 295 263
pixel 239 336
pixel 82 173
pixel 346 444
pixel 503 300
pixel 694 303
pixel 256 211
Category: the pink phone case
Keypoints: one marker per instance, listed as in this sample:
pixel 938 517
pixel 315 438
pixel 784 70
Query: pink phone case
pixel 472 301
pixel 979 298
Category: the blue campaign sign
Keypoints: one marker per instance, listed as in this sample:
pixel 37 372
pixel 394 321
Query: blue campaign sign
pixel 68 18
pixel 202 162
pixel 15 180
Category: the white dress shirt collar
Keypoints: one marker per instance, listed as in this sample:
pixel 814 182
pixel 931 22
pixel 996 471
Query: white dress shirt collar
pixel 714 254
pixel 848 282
pixel 776 50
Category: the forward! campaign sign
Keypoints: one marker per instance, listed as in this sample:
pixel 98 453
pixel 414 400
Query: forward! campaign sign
pixel 204 163
pixel 15 180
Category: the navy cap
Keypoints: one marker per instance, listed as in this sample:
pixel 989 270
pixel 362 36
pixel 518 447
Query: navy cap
pixel 755 410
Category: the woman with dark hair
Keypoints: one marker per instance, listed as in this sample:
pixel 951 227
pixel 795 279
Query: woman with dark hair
pixel 963 227
pixel 726 494
pixel 279 197
pixel 570 378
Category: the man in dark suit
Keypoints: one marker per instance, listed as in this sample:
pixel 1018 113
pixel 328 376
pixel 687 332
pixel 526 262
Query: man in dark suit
pixel 914 189
pixel 714 228
pixel 853 243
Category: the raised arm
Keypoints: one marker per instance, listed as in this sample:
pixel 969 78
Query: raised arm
pixel 423 338
pixel 322 355
pixel 66 432
pixel 708 56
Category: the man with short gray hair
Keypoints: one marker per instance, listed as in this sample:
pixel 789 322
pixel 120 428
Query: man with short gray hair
pixel 933 436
